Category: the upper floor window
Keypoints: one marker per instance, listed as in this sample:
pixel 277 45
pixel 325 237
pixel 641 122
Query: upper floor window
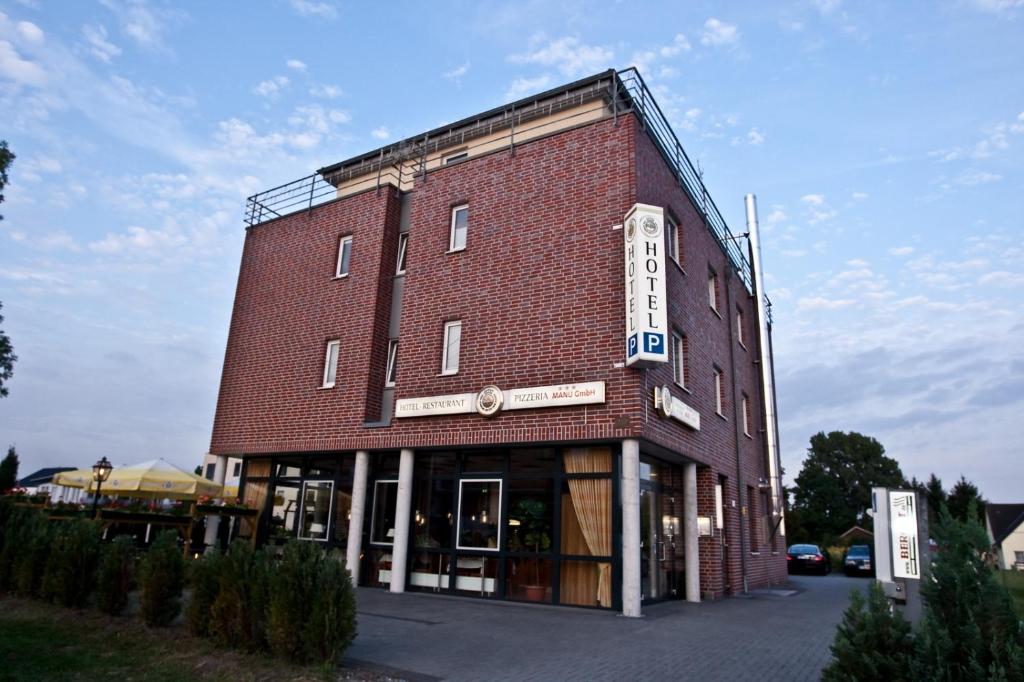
pixel 452 344
pixel 460 226
pixel 331 363
pixel 237 471
pixel 746 414
pixel 457 156
pixel 344 255
pixel 210 469
pixel 392 370
pixel 672 233
pixel 741 333
pixel 713 290
pixel 680 359
pixel 403 244
pixel 719 392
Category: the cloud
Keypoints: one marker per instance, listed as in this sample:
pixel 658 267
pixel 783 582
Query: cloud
pixel 381 133
pixel 20 70
pixel 567 54
pixel 521 87
pixel 455 75
pixel 143 24
pixel 646 60
pixel 972 177
pixel 821 303
pixel 859 196
pixel 295 65
pixel 30 32
pixel 718 33
pixel 755 137
pixel 99 46
pixel 310 8
pixel 827 6
pixel 271 87
pixel 326 91
pixel 901 250
pixel 813 199
pixel 998 6
pixel 1002 278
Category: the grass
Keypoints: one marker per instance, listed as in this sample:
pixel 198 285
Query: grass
pixel 1014 582
pixel 43 642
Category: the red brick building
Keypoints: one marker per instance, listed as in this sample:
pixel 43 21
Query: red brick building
pixel 427 363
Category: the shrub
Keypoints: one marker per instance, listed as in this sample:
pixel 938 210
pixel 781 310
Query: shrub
pixel 332 624
pixel 13 537
pixel 116 572
pixel 204 577
pixel 872 642
pixel 161 576
pixel 70 575
pixel 238 614
pixel 31 547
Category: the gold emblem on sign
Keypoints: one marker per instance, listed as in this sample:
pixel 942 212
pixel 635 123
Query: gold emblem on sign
pixel 650 226
pixel 630 229
pixel 489 401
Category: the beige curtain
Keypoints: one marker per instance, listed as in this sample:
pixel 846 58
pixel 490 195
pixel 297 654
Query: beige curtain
pixel 592 502
pixel 255 494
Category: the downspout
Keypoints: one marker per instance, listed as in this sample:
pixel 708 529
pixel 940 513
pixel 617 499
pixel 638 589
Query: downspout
pixel 740 489
pixel 767 368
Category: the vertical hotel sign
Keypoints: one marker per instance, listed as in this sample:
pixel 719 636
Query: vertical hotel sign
pixel 906 563
pixel 646 303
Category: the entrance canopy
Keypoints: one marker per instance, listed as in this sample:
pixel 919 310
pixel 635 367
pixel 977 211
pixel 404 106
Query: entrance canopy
pixel 155 479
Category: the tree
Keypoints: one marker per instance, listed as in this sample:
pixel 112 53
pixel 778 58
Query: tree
pixel 833 489
pixel 7 356
pixel 9 470
pixel 6 157
pixel 936 497
pixel 872 642
pixel 965 501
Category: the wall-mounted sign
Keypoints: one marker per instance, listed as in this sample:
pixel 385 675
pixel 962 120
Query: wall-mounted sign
pixel 704 526
pixel 491 399
pixel 903 535
pixel 646 302
pixel 674 408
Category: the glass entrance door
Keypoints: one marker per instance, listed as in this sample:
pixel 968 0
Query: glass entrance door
pixel 661 550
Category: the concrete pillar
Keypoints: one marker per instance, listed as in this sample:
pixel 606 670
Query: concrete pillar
pixel 357 514
pixel 403 508
pixel 220 470
pixel 691 558
pixel 630 489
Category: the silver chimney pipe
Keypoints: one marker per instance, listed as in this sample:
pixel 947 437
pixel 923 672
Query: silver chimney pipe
pixel 767 370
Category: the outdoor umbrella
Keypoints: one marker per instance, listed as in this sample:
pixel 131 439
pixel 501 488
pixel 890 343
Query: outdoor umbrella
pixel 155 479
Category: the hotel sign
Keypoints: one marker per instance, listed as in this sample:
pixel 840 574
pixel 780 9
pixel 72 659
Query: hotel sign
pixel 673 407
pixel 906 562
pixel 491 399
pixel 646 302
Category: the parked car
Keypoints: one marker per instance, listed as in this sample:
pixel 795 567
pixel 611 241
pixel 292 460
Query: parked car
pixel 858 561
pixel 807 559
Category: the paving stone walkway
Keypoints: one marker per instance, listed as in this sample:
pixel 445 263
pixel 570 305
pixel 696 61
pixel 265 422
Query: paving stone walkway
pixel 769 635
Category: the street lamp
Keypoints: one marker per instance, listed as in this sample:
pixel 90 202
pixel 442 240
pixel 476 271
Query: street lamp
pixel 100 473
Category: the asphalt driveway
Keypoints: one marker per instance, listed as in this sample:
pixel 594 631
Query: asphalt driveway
pixel 769 635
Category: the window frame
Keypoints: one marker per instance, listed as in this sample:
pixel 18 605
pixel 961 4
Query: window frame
pixel 452 248
pixel 713 294
pixel 745 408
pixel 445 345
pixel 373 512
pixel 333 345
pixel 391 369
pixel 302 510
pixel 403 246
pixel 719 381
pixel 675 251
pixel 343 241
pixel 680 360
pixel 455 157
pixel 458 516
pixel 741 335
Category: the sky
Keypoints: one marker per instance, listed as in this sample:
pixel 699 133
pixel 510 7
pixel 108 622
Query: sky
pixel 883 140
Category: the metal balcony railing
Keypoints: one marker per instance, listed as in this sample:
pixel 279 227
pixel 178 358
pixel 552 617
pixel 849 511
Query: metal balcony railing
pixel 291 197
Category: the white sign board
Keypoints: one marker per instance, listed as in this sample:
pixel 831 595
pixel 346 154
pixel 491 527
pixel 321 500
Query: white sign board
pixel 675 408
pixel 555 396
pixel 646 301
pixel 587 393
pixel 906 561
pixel 461 403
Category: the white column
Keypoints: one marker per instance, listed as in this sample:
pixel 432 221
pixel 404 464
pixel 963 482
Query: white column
pixel 402 510
pixel 691 558
pixel 220 470
pixel 357 514
pixel 630 489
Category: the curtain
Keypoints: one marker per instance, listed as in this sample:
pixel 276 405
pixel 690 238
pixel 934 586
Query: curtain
pixel 592 502
pixel 255 493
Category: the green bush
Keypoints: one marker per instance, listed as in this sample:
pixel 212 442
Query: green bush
pixel 70 575
pixel 238 614
pixel 204 578
pixel 161 577
pixel 12 538
pixel 116 572
pixel 311 614
pixel 32 541
pixel 872 642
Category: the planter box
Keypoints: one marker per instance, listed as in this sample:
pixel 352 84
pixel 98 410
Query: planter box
pixel 145 517
pixel 225 511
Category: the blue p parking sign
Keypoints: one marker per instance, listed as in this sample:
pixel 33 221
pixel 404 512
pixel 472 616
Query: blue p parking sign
pixel 632 347
pixel 654 342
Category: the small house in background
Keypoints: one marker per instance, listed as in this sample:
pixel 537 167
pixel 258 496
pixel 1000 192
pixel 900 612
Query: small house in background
pixel 42 482
pixel 1005 526
pixel 856 536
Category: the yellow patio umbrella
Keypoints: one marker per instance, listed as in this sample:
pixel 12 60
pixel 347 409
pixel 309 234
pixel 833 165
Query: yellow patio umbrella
pixel 155 479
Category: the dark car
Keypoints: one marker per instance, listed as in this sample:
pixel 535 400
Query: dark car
pixel 858 561
pixel 807 559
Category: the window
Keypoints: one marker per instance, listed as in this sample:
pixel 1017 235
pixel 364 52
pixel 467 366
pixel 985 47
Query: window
pixel 403 243
pixel 746 414
pixel 1018 557
pixel 392 370
pixel 385 500
pixel 457 156
pixel 210 468
pixel 713 290
pixel 752 520
pixel 331 363
pixel 452 342
pixel 672 234
pixel 460 225
pixel 719 393
pixel 344 255
pixel 237 471
pixel 680 359
pixel 479 515
pixel 741 335
pixel 315 518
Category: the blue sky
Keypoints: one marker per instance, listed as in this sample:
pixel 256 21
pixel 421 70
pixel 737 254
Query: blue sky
pixel 883 141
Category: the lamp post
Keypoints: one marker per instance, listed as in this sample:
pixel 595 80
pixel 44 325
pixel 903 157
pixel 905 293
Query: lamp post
pixel 100 473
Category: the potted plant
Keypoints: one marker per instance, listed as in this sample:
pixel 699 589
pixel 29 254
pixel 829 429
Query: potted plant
pixel 534 525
